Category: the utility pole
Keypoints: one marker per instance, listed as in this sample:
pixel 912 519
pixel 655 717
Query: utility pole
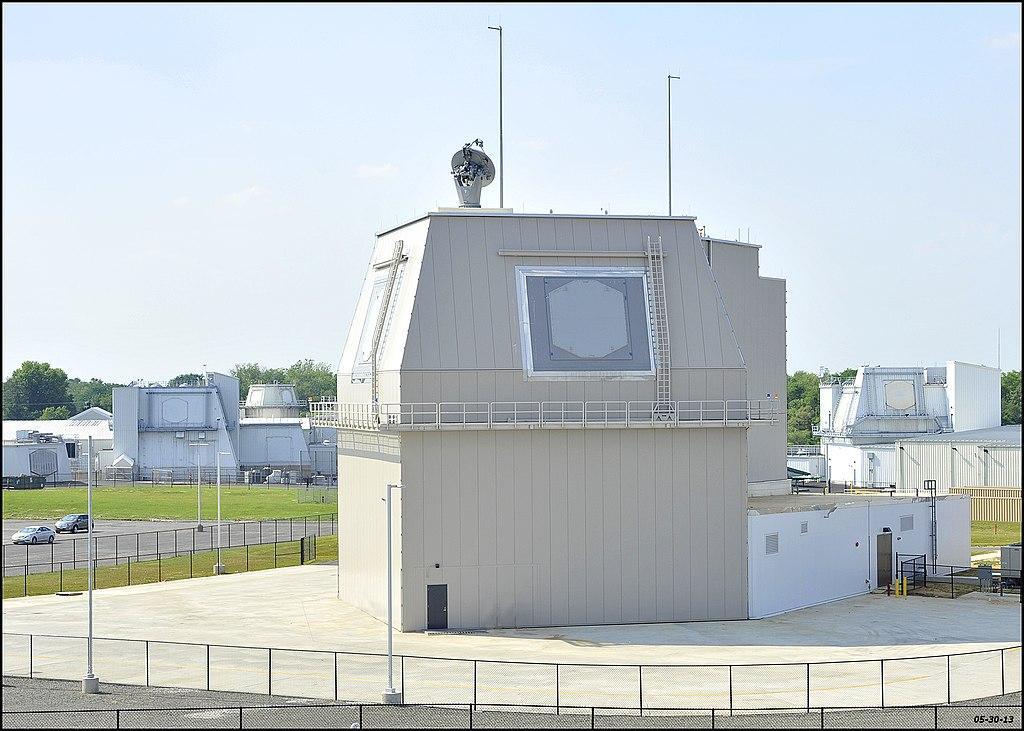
pixel 390 695
pixel 501 117
pixel 670 77
pixel 90 683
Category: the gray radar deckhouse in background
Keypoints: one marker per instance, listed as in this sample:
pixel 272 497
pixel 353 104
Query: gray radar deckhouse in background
pixel 472 170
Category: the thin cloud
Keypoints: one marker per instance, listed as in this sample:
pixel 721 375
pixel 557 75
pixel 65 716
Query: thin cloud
pixel 367 171
pixel 245 196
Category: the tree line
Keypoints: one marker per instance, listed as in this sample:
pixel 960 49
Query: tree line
pixel 803 401
pixel 38 390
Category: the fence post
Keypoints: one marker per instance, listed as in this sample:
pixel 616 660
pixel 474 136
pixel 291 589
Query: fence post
pixel 159 568
pixel 881 678
pixel 1002 671
pixel 275 552
pixel 949 693
pixel 207 667
pixel 557 693
pixel 147 663
pixel 808 687
pixel 128 563
pixel 190 554
pixel 474 688
pixel 730 690
pixel 30 668
pixel 26 579
pixel 117 718
pixel 240 718
pixel 246 556
pixel 335 676
pixel 270 671
pixel 591 717
pixel 640 677
pixel 62 576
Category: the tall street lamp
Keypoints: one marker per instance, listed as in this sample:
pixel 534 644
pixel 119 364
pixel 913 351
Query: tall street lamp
pixel 199 484
pixel 90 683
pixel 390 695
pixel 219 568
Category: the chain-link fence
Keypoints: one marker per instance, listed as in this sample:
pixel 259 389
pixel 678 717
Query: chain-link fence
pixel 472 716
pixel 152 568
pixel 360 677
pixel 117 549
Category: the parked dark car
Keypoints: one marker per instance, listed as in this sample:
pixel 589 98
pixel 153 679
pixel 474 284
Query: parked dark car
pixel 74 523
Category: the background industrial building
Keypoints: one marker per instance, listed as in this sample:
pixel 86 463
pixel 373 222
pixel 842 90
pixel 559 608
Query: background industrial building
pixel 154 431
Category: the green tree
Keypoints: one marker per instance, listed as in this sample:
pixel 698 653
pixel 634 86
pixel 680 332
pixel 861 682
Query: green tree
pixel 1011 397
pixel 93 392
pixel 802 406
pixel 55 412
pixel 312 381
pixel 186 379
pixel 33 387
pixel 250 373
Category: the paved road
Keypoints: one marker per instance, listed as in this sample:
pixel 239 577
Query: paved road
pixel 117 539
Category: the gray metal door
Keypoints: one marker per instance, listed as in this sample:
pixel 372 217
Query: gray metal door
pixel 883 559
pixel 437 606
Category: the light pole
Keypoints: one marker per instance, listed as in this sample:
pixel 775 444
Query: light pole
pixel 90 683
pixel 670 77
pixel 501 117
pixel 390 695
pixel 219 568
pixel 199 484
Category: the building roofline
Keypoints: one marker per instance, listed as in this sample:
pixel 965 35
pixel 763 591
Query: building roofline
pixel 509 213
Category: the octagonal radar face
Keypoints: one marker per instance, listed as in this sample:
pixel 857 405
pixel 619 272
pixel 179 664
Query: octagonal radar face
pixel 472 170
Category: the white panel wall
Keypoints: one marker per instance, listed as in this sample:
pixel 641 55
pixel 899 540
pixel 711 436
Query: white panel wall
pixel 956 464
pixel 362 533
pixel 975 398
pixel 552 527
pixel 836 557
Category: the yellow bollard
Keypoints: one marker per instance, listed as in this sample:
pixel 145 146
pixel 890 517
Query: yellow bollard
pixel 904 586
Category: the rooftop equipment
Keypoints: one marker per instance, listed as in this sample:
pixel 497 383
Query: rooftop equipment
pixel 472 170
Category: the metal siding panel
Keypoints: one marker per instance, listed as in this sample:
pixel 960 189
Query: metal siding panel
pixel 698 520
pixel 462 315
pixel 594 521
pixel 541 521
pixel 451 501
pixel 680 543
pixel 524 529
pixel 505 474
pixel 647 508
pixel 477 283
pixel 469 497
pixel 501 308
pixel 663 525
pixel 487 498
pixel 560 526
pixel 611 480
pixel 716 525
pixel 629 516
pixel 577 528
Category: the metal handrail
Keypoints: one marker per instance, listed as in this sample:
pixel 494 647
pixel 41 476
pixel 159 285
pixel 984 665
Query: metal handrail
pixel 551 414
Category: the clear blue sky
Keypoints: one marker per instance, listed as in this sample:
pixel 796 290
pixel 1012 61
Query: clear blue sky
pixel 201 184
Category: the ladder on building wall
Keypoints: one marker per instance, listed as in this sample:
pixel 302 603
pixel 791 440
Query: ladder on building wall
pixel 664 407
pixel 382 316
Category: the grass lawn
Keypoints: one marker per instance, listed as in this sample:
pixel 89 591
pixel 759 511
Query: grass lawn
pixel 175 502
pixel 236 561
pixel 990 533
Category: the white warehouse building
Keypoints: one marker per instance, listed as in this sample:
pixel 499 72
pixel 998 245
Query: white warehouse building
pixel 580 419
